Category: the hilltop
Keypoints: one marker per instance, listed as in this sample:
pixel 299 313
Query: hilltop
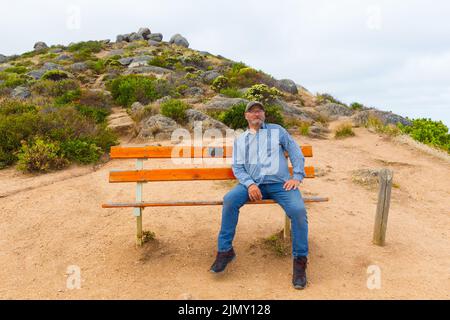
pixel 139 89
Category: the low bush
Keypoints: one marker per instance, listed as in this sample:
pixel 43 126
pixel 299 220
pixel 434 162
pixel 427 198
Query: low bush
pixel 131 88
pixel 40 156
pixel 428 131
pixel 262 93
pixel 175 109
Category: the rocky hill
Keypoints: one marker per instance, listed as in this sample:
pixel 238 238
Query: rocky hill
pixel 143 87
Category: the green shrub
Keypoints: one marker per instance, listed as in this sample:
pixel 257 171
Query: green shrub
pixel 262 93
pixel 20 123
pixel 215 114
pixel 88 46
pixel 33 53
pixel 181 89
pixel 242 76
pixel 83 55
pixel 231 93
pixel 47 57
pixel 131 88
pixel 167 59
pixel 274 115
pixel 100 66
pixel 247 77
pixel 11 80
pixel 81 151
pixel 98 115
pixel 97 66
pixel 234 116
pixel 12 106
pixel 55 75
pixel 67 123
pixel 175 109
pixel 427 131
pixel 13 129
pixel 191 76
pixel 220 83
pixel 194 59
pixel 103 137
pixel 40 156
pixel 83 51
pixel 16 69
pixel 236 67
pixel 51 88
pixel 23 63
pixel 68 97
pixel 356 106
pixel 159 61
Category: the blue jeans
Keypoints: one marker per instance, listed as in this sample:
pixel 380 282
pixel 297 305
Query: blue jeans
pixel 291 201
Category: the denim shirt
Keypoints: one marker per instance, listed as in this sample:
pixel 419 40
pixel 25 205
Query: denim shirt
pixel 258 158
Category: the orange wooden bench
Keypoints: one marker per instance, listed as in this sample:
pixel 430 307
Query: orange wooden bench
pixel 141 176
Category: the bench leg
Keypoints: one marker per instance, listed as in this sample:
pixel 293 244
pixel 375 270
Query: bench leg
pixel 287 228
pixel 139 229
pixel 138 211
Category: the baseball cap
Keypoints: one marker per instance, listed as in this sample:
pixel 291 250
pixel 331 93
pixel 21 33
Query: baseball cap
pixel 252 104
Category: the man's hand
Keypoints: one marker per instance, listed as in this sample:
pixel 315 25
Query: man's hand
pixel 291 184
pixel 254 193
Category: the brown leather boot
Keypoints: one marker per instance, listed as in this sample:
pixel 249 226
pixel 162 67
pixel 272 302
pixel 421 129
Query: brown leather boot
pixel 222 260
pixel 299 272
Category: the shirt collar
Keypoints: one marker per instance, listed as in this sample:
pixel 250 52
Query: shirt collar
pixel 263 126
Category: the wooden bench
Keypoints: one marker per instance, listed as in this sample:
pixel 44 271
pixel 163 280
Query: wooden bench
pixel 141 176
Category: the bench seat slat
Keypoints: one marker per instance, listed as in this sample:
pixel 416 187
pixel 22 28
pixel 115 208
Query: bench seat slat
pixel 194 203
pixel 148 152
pixel 180 174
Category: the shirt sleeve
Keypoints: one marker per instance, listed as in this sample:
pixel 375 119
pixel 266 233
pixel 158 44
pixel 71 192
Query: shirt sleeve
pixel 238 167
pixel 295 154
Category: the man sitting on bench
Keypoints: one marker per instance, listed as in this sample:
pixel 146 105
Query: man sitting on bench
pixel 261 167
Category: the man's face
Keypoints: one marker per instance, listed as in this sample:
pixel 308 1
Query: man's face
pixel 255 116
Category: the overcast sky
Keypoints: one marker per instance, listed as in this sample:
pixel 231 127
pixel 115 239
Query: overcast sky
pixel 392 55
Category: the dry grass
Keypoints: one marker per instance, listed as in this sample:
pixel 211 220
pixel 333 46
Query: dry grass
pixel 276 244
pixel 148 236
pixel 343 131
pixel 375 124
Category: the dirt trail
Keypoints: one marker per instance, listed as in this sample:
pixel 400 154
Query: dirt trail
pixel 50 222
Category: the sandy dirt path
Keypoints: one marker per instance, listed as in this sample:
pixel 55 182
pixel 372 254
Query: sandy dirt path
pixel 50 222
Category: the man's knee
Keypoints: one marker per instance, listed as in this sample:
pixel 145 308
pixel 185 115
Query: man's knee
pixel 296 211
pixel 236 197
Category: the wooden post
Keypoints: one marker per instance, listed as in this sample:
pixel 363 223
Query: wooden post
pixel 384 199
pixel 287 228
pixel 138 211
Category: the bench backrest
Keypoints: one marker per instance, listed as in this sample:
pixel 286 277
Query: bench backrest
pixel 155 152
